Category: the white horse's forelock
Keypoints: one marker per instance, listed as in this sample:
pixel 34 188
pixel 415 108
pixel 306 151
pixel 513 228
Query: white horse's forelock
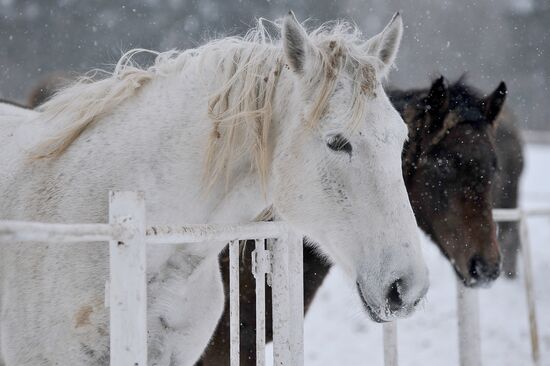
pixel 241 109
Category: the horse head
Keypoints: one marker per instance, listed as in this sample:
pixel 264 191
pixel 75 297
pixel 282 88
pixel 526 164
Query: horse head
pixel 450 165
pixel 337 164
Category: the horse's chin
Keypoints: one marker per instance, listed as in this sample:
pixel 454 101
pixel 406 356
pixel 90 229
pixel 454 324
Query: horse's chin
pixel 472 282
pixel 372 314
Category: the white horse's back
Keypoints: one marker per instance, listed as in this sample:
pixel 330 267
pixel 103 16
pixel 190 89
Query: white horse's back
pixel 65 283
pixel 11 117
pixel 8 109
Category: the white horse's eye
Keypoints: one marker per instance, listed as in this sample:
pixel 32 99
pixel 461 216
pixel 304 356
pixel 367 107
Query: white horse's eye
pixel 339 143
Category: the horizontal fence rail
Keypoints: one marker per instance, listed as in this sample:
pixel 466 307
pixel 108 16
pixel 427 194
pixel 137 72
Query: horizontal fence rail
pixel 58 233
pixel 539 137
pixel 77 233
pixel 223 233
pixel 516 214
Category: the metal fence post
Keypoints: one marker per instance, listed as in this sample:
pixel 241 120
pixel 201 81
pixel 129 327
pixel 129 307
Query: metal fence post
pixel 261 265
pixel 128 293
pixel 234 314
pixel 390 343
pixel 529 289
pixel 469 340
pixel 296 293
pixel 288 309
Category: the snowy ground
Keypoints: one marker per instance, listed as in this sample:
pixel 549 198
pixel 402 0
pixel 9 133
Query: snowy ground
pixel 338 333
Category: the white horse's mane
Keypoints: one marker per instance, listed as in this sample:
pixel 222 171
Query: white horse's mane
pixel 241 109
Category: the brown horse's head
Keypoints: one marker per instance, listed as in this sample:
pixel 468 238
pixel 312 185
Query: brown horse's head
pixel 449 167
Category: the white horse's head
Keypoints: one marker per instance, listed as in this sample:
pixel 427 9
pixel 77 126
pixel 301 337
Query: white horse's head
pixel 337 164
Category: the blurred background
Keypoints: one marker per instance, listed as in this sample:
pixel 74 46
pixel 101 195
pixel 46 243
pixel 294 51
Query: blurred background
pixel 489 39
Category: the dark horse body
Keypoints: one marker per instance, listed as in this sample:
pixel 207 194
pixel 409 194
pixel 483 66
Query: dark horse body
pixel 458 164
pixel 506 190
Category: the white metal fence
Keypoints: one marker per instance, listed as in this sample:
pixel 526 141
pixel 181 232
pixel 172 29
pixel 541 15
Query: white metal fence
pixel 126 292
pixel 468 304
pixel 282 262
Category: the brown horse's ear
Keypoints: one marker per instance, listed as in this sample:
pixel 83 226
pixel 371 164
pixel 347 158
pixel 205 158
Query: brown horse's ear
pixel 492 104
pixel 437 101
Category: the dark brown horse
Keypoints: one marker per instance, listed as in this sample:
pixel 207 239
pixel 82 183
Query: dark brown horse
pixel 450 164
pixel 460 163
pixel 460 160
pixel 453 181
pixel 506 187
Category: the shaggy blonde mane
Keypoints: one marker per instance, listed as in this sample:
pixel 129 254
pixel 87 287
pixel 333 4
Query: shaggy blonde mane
pixel 248 69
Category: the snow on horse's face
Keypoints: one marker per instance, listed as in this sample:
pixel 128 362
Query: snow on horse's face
pixel 337 166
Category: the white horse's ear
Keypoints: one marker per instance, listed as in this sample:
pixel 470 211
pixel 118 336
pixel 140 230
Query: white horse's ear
pixel 296 44
pixel 385 44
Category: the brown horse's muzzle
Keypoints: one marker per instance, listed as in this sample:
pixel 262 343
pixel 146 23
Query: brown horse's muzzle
pixel 483 270
pixel 466 234
pixel 475 269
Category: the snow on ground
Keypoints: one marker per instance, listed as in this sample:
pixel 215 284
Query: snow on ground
pixel 338 333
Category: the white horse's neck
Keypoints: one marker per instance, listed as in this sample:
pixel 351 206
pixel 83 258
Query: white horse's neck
pixel 245 191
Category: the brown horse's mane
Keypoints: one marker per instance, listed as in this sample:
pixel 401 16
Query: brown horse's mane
pixel 426 133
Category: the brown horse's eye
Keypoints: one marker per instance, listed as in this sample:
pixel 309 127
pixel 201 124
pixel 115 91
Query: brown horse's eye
pixel 339 143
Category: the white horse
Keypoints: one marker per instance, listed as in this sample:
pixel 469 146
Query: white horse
pixel 211 135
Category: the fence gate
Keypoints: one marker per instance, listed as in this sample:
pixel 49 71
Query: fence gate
pixel 126 289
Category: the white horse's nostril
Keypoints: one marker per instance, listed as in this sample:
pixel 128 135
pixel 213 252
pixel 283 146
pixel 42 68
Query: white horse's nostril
pixel 394 295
